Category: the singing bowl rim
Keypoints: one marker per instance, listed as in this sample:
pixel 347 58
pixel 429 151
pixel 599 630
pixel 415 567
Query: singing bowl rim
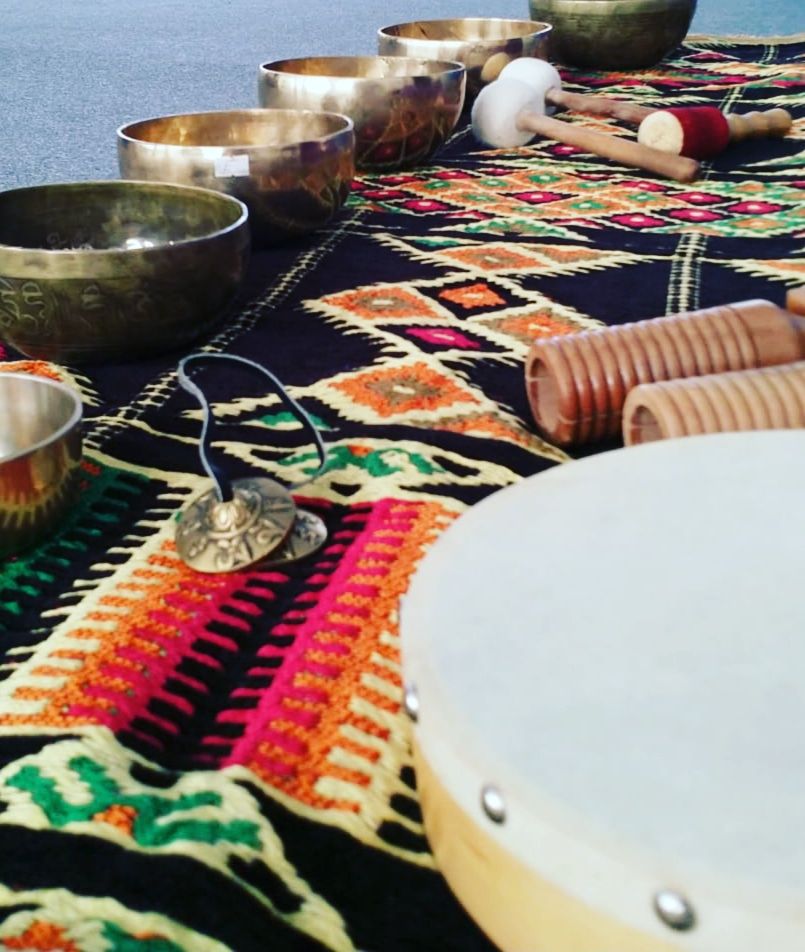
pixel 124 131
pixel 100 254
pixel 426 68
pixel 629 6
pixel 544 27
pixel 74 420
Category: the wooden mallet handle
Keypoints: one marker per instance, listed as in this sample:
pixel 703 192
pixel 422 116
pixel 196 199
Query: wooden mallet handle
pixel 621 150
pixel 758 125
pixel 546 82
pixel 598 105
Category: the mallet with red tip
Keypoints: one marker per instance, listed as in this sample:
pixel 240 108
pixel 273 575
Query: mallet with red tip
pixel 702 132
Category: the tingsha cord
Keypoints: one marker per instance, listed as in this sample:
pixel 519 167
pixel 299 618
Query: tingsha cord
pixel 241 522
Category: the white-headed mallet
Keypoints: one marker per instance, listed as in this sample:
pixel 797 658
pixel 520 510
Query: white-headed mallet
pixel 509 113
pixel 545 80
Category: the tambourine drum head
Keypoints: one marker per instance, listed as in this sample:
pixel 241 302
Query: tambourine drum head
pixel 608 660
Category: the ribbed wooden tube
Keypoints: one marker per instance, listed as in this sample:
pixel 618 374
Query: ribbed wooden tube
pixel 795 300
pixel 577 384
pixel 768 398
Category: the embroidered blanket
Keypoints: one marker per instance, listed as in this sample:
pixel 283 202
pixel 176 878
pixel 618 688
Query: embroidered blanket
pixel 213 762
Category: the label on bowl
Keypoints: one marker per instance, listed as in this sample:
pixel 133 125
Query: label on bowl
pixel 228 166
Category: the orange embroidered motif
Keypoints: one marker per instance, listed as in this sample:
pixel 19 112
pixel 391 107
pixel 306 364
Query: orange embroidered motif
pixel 383 303
pixel 42 937
pixel 527 327
pixel 118 815
pixel 474 295
pixel 495 258
pixel 487 424
pixel 569 253
pixel 39 368
pixel 404 388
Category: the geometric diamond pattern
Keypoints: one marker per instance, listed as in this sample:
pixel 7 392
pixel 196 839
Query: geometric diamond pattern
pixel 400 389
pixel 528 325
pixel 513 258
pixel 383 303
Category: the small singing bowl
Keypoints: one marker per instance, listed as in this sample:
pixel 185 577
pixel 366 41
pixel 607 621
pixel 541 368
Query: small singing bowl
pixel 483 45
pixel 291 168
pixel 403 109
pixel 40 449
pixel 614 34
pixel 106 271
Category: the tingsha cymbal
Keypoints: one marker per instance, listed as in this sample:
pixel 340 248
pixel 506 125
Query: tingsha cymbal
pixel 307 536
pixel 235 525
pixel 225 535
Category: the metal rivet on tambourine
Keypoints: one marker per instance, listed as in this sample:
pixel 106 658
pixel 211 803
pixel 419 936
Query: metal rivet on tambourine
pixel 674 910
pixel 411 702
pixel 493 803
pixel 307 536
pixel 215 535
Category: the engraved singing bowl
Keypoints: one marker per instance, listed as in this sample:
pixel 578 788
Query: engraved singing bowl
pixel 40 449
pixel 403 109
pixel 614 34
pixel 93 271
pixel 291 168
pixel 484 45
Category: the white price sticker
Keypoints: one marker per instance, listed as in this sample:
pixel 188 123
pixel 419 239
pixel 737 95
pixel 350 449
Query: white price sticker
pixel 228 166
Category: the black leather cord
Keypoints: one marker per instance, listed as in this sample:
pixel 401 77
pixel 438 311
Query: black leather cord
pixel 223 487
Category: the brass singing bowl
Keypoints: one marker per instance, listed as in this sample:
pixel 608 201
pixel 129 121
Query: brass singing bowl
pixel 93 271
pixel 403 109
pixel 484 45
pixel 40 449
pixel 614 34
pixel 291 168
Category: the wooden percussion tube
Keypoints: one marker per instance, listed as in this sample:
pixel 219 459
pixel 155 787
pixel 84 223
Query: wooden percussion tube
pixel 577 384
pixel 768 398
pixel 795 301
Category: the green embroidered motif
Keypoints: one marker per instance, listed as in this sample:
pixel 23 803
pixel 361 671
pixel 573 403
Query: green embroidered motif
pixel 287 420
pixel 121 941
pixel 382 462
pixel 491 182
pixel 517 226
pixel 435 185
pixel 18 576
pixel 538 178
pixel 137 814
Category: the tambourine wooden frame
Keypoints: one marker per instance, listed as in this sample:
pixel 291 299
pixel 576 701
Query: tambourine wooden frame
pixel 546 878
pixel 519 910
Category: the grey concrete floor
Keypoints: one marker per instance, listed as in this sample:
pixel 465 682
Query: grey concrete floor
pixel 72 71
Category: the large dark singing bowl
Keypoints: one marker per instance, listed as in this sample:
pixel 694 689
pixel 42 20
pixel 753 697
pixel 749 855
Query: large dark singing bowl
pixel 291 168
pixel 95 271
pixel 614 34
pixel 484 45
pixel 40 449
pixel 403 108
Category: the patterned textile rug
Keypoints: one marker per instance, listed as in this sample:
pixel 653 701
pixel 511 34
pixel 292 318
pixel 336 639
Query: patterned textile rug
pixel 221 762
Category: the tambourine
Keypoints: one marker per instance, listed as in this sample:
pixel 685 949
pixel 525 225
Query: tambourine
pixel 604 666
